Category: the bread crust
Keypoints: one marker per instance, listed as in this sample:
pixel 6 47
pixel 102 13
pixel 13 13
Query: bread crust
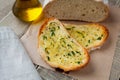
pixel 108 14
pixel 53 1
pixel 42 52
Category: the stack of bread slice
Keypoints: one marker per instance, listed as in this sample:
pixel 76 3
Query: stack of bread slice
pixel 66 46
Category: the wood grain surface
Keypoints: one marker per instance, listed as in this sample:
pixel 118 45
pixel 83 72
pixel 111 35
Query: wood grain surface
pixel 115 70
pixel 7 18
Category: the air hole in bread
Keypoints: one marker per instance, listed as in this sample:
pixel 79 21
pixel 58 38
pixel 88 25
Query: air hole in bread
pixel 84 8
pixel 70 16
pixel 47 12
pixel 97 8
pixel 56 13
pixel 53 16
pixel 93 10
pixel 76 5
pixel 83 14
pixel 62 15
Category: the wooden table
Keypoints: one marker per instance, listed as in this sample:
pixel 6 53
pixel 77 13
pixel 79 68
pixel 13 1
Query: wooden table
pixel 8 19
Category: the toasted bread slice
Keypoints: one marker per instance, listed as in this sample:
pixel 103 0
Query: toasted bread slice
pixel 90 36
pixel 83 10
pixel 59 49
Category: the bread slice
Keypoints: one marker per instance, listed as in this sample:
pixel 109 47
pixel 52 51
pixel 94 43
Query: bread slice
pixel 90 36
pixel 83 10
pixel 59 49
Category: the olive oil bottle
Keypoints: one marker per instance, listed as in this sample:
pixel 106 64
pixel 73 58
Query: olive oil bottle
pixel 27 10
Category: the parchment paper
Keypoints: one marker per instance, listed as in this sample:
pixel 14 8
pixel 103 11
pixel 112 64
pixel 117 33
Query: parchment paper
pixel 100 61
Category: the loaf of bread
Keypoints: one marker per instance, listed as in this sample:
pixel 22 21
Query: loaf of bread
pixel 90 36
pixel 83 10
pixel 59 49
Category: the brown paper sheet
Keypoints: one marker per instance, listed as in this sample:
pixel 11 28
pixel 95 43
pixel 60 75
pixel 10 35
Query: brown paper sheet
pixel 100 60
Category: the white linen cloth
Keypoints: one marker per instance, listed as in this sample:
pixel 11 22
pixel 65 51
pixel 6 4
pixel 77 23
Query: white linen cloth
pixel 15 64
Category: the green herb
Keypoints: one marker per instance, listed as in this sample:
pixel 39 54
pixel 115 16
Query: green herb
pixel 86 45
pixel 99 38
pixel 73 53
pixel 68 28
pixel 52 33
pixel 78 52
pixel 62 45
pixel 46 51
pixel 80 34
pixel 58 27
pixel 73 27
pixel 69 54
pixel 68 36
pixel 48 58
pixel 52 44
pixel 63 40
pixel 44 37
pixel 52 30
pixel 102 35
pixel 88 41
pixel 69 45
pixel 78 62
pixel 64 55
pixel 53 23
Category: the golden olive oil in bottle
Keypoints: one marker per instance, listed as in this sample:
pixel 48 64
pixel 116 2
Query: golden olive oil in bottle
pixel 27 10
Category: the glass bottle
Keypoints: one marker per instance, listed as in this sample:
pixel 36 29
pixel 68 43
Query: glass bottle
pixel 27 10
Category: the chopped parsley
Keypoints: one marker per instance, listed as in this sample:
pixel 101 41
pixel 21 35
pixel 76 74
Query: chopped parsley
pixel 78 62
pixel 48 58
pixel 44 37
pixel 52 31
pixel 86 45
pixel 68 28
pixel 73 53
pixel 58 27
pixel 46 51
pixel 69 54
pixel 80 34
pixel 78 52
pixel 99 38
pixel 69 45
pixel 88 41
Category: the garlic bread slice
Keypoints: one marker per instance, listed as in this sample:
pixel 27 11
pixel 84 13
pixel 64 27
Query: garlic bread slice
pixel 90 36
pixel 59 49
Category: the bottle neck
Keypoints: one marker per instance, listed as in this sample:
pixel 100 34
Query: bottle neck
pixel 27 3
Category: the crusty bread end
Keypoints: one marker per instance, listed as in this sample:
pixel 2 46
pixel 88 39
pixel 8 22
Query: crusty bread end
pixel 83 10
